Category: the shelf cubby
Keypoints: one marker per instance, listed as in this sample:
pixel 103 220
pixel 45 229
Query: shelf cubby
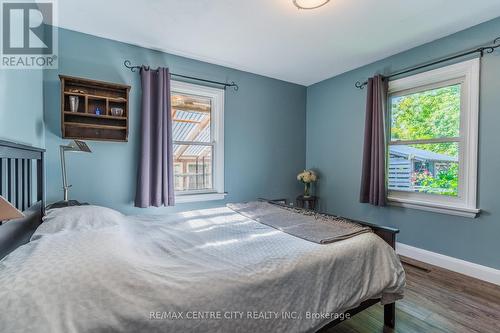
pixel 84 122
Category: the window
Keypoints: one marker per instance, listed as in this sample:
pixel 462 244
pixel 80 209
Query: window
pixel 432 144
pixel 178 177
pixel 198 139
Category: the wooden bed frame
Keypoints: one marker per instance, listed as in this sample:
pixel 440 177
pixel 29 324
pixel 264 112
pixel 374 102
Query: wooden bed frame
pixel 388 234
pixel 22 184
pixel 21 164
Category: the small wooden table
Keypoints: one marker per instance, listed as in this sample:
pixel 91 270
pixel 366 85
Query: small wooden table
pixel 307 202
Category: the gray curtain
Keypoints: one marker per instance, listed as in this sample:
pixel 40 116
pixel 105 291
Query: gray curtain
pixel 155 180
pixel 373 181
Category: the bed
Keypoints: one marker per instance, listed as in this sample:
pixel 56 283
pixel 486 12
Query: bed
pixel 91 268
pixel 21 183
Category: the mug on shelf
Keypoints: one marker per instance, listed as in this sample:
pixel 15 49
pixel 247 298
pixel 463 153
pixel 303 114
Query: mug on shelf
pixel 117 112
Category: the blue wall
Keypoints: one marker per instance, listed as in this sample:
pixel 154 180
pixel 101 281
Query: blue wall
pixel 21 106
pixel 335 124
pixel 264 127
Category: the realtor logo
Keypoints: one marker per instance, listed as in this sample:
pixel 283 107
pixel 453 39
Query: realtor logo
pixel 28 35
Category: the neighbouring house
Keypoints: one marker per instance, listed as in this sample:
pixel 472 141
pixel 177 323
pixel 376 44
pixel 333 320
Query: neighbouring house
pixel 405 161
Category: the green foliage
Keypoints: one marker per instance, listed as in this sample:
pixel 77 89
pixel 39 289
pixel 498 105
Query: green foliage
pixel 428 115
pixel 445 182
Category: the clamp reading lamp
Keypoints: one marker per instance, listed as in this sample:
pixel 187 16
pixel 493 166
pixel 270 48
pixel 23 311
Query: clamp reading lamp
pixel 76 146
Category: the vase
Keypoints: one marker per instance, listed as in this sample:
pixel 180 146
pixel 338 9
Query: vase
pixel 73 103
pixel 307 190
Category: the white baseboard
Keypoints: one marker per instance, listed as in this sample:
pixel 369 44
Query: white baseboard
pixel 480 272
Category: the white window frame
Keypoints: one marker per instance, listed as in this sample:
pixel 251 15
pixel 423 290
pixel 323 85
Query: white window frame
pixel 176 164
pixel 217 122
pixel 467 74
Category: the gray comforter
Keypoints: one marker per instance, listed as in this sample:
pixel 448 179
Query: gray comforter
pixel 92 269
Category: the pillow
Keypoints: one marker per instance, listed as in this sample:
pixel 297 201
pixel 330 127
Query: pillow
pixel 77 218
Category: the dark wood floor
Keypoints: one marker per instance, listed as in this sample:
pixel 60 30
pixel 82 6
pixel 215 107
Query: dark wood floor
pixel 436 301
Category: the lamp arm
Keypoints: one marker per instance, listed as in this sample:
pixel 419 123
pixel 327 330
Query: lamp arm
pixel 62 150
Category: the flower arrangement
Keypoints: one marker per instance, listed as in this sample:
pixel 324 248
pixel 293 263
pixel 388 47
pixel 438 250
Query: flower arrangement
pixel 307 177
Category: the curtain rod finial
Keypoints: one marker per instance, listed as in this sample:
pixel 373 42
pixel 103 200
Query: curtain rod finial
pixel 128 64
pixel 360 85
pixel 235 86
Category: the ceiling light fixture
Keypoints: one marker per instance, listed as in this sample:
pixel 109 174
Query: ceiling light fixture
pixel 309 4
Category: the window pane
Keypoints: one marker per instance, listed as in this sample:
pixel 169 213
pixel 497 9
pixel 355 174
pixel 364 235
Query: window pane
pixel 191 118
pixel 427 168
pixel 429 114
pixel 193 168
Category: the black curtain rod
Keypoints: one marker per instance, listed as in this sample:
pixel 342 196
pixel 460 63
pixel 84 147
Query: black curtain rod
pixel 128 64
pixel 480 50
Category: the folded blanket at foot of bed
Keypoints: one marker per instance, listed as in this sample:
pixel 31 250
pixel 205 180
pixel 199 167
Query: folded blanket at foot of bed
pixel 308 225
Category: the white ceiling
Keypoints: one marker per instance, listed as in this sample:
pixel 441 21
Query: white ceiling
pixel 274 38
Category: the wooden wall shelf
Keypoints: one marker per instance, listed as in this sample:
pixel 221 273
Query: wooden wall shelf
pixel 93 119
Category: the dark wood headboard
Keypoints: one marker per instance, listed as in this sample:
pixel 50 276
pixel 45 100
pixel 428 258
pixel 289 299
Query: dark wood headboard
pixel 22 184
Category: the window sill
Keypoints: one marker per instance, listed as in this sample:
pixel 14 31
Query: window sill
pixel 434 207
pixel 199 197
